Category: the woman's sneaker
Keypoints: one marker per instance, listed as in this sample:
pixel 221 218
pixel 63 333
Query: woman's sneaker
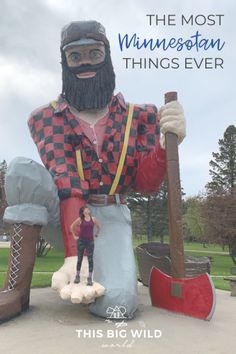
pixel 77 279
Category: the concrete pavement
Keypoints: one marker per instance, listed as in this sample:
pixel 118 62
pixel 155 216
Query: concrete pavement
pixel 56 326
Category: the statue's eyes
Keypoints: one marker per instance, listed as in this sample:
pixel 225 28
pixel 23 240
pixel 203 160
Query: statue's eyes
pixel 74 56
pixel 96 54
pixel 93 55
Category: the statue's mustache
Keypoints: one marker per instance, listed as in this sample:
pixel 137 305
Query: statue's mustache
pixel 85 68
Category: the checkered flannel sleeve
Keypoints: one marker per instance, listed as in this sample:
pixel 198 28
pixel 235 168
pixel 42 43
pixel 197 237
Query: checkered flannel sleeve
pixel 151 157
pixel 54 140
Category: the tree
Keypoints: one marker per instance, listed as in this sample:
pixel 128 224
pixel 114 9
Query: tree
pixel 220 206
pixel 149 213
pixel 160 225
pixel 220 216
pixel 193 222
pixel 223 167
pixel 136 204
pixel 42 247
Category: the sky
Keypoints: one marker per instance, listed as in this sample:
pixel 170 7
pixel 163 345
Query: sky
pixel 30 72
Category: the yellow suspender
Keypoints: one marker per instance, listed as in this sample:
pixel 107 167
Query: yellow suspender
pixel 124 150
pixel 79 164
pixel 54 104
pixel 122 156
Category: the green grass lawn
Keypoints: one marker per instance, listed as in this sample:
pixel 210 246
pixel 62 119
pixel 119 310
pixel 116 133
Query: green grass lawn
pixel 51 263
pixel 221 263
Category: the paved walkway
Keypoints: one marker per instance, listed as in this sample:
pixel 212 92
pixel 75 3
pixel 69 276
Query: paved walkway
pixel 210 252
pixel 4 244
pixel 53 326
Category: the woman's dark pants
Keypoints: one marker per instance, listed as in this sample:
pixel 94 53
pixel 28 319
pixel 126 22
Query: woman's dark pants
pixel 83 244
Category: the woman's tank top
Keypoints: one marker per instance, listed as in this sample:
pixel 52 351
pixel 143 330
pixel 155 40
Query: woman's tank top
pixel 86 229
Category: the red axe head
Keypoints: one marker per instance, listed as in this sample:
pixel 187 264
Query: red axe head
pixel 193 297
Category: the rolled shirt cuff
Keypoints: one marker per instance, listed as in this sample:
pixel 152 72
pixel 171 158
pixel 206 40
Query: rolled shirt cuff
pixel 30 214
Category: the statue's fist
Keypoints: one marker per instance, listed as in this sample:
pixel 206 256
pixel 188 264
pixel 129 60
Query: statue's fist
pixel 172 120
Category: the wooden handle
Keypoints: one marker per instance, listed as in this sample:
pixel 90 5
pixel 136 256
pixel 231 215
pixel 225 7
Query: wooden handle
pixel 174 200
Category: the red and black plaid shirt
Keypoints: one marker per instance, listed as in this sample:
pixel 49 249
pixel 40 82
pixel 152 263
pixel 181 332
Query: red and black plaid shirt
pixel 57 134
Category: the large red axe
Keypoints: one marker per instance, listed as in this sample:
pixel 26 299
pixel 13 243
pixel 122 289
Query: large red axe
pixel 190 296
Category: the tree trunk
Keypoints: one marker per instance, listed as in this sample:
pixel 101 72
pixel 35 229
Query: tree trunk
pixel 232 252
pixel 162 238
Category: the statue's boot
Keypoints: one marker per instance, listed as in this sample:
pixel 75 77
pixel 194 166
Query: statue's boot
pixel 15 295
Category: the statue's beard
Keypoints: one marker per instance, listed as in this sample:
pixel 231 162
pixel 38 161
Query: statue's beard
pixel 91 93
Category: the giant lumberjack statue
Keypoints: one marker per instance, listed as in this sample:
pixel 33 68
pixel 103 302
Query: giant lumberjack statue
pixel 96 147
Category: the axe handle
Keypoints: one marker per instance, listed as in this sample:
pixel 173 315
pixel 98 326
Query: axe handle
pixel 174 200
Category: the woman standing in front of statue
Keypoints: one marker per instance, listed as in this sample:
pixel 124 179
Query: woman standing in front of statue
pixel 83 231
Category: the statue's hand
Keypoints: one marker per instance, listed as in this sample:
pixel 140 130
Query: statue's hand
pixel 63 282
pixel 172 120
